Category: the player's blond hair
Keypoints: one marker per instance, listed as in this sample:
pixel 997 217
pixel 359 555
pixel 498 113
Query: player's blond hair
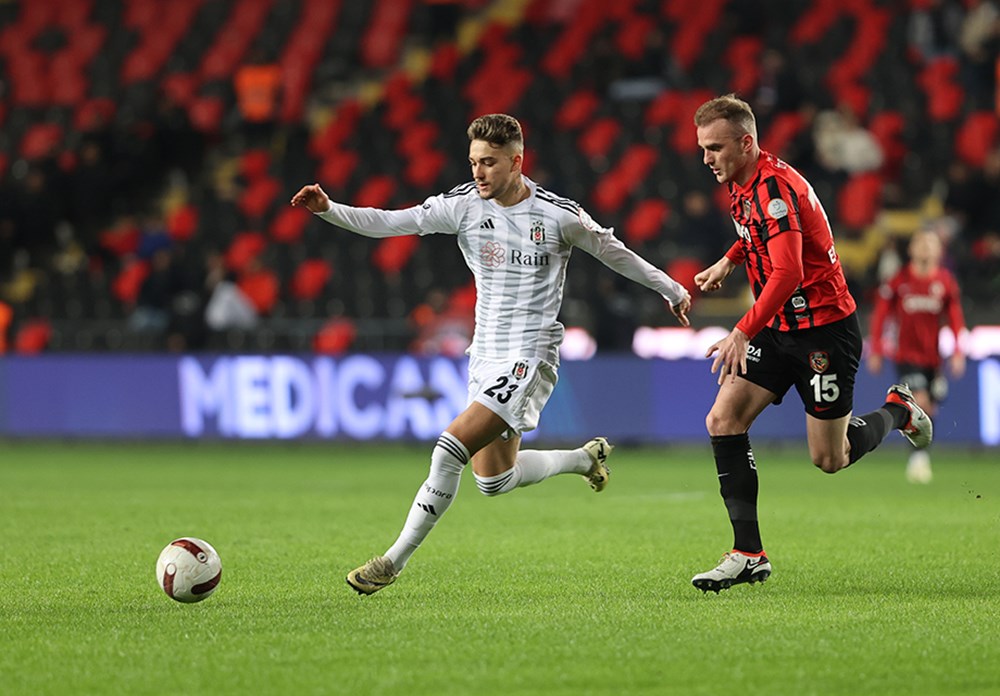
pixel 729 108
pixel 499 130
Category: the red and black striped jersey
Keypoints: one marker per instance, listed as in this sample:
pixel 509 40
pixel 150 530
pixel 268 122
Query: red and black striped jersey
pixel 776 200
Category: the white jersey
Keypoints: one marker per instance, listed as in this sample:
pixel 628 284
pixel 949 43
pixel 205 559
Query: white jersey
pixel 517 255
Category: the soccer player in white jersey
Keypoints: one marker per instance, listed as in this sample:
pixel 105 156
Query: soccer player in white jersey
pixel 516 238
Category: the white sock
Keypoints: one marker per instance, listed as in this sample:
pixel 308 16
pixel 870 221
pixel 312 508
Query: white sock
pixel 434 497
pixel 532 466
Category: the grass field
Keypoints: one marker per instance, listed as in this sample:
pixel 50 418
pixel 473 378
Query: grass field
pixel 879 587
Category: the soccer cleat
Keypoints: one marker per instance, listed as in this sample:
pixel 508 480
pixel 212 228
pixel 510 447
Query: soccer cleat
pixel 377 573
pixel 734 568
pixel 919 429
pixel 598 449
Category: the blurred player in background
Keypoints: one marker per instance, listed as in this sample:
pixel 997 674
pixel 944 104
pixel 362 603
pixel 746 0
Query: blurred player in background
pixel 801 331
pixel 516 238
pixel 918 300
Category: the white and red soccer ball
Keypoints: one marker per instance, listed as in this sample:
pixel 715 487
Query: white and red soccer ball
pixel 188 569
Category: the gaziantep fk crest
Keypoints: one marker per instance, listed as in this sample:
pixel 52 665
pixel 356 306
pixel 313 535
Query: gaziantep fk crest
pixel 819 361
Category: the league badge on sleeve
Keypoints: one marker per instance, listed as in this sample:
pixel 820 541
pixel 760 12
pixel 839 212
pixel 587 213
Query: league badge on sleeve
pixel 777 208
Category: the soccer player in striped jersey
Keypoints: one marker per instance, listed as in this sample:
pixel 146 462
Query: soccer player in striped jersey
pixel 516 238
pixel 918 300
pixel 801 331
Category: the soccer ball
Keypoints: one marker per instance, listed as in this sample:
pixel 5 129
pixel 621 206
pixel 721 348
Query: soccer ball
pixel 188 569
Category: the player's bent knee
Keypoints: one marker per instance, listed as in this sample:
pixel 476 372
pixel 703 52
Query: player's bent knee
pixel 719 424
pixel 830 464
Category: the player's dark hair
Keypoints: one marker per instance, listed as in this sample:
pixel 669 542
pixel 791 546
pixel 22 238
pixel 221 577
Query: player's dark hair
pixel 730 108
pixel 499 130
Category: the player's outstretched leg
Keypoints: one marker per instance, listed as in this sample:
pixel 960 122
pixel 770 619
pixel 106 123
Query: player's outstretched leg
pixel 918 429
pixel 735 568
pixel 534 466
pixel 377 573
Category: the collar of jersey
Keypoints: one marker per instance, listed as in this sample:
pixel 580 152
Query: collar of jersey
pixel 750 185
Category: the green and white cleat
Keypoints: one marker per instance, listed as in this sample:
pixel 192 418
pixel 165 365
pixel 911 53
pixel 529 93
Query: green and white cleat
pixel 598 449
pixel 377 573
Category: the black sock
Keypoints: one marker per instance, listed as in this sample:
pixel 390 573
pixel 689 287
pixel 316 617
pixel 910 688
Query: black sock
pixel 738 486
pixel 899 415
pixel 865 433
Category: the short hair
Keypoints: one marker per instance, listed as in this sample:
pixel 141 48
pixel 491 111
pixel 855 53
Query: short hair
pixel 499 130
pixel 729 108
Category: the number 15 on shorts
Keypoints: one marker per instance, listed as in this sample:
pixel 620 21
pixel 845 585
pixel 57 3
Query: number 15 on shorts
pixel 825 389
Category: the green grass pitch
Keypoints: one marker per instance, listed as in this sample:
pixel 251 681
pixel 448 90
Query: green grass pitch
pixel 879 586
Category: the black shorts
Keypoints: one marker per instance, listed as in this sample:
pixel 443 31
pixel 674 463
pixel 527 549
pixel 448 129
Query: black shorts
pixel 821 362
pixel 920 378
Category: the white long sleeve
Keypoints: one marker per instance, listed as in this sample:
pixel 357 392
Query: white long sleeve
pixel 375 222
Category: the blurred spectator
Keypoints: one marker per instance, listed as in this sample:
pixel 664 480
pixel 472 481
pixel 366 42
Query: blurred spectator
pixel 979 40
pixel 615 315
pixel 152 310
pixel 227 307
pixel 843 144
pixel 778 89
pixel 933 28
pixel 703 229
pixel 442 328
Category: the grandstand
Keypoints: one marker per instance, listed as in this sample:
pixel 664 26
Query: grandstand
pixel 149 148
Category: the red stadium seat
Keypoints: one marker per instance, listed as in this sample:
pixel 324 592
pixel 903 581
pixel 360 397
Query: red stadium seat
pixel 126 285
pixel 33 337
pixel 254 164
pixel 597 140
pixel 310 278
pixel 41 140
pixel 182 223
pixel 244 249
pixel 646 220
pixel 577 110
pixel 261 286
pixel 375 192
pixel 257 198
pixel 859 199
pixel 336 168
pixel 393 253
pixel 976 138
pixel 289 225
pixel 335 337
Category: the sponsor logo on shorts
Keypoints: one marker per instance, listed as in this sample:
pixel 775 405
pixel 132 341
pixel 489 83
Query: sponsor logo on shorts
pixel 753 353
pixel 819 361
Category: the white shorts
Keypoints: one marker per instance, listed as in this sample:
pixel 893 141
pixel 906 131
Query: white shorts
pixel 516 390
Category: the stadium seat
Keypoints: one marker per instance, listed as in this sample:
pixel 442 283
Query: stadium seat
pixel 261 286
pixel 335 337
pixel 976 138
pixel 129 280
pixel 182 223
pixel 646 220
pixel 392 254
pixel 577 109
pixel 289 225
pixel 33 337
pixel 244 249
pixel 309 279
pixel 258 197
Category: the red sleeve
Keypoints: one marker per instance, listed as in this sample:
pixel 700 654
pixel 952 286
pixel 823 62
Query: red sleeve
pixel 787 272
pixel 736 254
pixel 955 317
pixel 883 306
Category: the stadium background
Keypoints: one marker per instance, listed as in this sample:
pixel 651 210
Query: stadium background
pixel 149 149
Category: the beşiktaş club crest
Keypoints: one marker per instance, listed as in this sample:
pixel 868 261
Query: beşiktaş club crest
pixel 537 232
pixel 819 361
pixel 520 370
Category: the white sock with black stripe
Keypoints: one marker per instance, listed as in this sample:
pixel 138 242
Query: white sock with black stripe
pixel 533 466
pixel 434 497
